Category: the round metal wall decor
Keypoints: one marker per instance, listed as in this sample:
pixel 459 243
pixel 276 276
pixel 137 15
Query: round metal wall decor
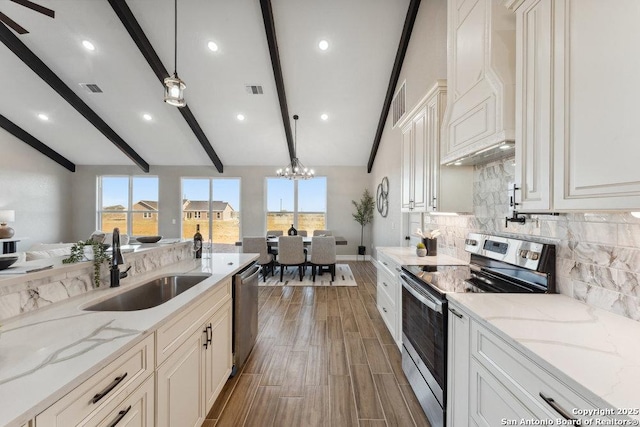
pixel 382 200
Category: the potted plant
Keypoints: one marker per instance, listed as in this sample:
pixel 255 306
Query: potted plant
pixel 87 251
pixel 363 216
pixel 421 249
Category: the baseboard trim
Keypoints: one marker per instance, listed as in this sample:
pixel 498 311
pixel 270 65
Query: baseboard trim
pixel 353 258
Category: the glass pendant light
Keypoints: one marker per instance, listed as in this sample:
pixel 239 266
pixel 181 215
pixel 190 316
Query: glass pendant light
pixel 173 86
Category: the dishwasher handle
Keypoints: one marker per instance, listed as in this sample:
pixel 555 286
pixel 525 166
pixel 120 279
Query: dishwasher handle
pixel 249 274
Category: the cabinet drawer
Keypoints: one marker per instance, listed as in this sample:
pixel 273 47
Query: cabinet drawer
pixel 388 311
pixel 388 284
pixel 137 410
pixel 173 334
pixel 385 263
pixel 109 387
pixel 522 376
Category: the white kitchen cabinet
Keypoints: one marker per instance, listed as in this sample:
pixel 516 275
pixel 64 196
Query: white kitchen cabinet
pixel 490 379
pixel 426 185
pixel 137 410
pixel 481 78
pixel 218 360
pixel 104 391
pixel 180 380
pixel 389 295
pixel 458 361
pixel 575 106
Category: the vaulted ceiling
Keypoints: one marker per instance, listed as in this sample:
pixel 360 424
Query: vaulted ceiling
pixel 348 81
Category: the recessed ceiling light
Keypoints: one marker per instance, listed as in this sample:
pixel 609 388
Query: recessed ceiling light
pixel 324 117
pixel 212 46
pixel 43 117
pixel 323 45
pixel 88 45
pixel 636 214
pixel 240 117
pixel 147 116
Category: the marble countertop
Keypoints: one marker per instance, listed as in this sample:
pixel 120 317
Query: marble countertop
pixel 47 353
pixel 596 352
pixel 58 267
pixel 407 256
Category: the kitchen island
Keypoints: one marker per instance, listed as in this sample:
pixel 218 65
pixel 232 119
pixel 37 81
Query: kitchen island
pixel 47 353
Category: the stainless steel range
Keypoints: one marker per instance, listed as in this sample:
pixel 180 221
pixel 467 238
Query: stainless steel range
pixel 498 264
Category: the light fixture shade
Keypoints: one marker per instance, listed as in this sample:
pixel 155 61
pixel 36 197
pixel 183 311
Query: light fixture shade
pixel 7 216
pixel 174 91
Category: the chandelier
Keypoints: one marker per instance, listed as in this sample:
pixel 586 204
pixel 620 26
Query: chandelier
pixel 173 86
pixel 295 169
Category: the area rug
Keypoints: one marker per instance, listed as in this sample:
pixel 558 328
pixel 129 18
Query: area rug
pixel 344 277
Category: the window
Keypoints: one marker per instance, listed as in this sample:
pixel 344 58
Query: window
pixel 302 203
pixel 129 203
pixel 214 205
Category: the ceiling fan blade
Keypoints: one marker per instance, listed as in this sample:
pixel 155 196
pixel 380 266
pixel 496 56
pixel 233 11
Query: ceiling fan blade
pixel 31 5
pixel 12 24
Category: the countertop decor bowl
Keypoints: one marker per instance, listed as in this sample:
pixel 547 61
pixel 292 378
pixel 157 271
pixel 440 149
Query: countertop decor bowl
pixel 149 239
pixel 7 261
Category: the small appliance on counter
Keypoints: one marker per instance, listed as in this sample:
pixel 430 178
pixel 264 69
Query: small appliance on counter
pixel 498 265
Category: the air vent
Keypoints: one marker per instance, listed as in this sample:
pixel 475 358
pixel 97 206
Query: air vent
pixel 91 87
pixel 398 104
pixel 254 89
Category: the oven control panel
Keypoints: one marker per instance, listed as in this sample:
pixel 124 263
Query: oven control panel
pixel 513 251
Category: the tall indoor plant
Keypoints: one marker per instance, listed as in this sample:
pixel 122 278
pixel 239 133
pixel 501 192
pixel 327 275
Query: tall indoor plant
pixel 363 216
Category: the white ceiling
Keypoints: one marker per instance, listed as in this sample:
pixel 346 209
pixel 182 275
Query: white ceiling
pixel 348 81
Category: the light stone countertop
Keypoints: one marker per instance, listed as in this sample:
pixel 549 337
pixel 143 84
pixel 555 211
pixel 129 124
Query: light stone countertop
pixel 595 352
pixel 407 256
pixel 47 353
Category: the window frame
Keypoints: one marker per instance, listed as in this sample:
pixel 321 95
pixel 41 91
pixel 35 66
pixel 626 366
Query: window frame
pixel 296 211
pixel 130 211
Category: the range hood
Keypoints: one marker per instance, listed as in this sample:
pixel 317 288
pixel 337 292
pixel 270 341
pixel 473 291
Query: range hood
pixel 498 151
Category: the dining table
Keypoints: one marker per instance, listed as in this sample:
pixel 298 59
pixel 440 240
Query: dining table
pixel 306 240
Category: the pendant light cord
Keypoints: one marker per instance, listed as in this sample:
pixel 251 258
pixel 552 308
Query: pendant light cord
pixel 175 38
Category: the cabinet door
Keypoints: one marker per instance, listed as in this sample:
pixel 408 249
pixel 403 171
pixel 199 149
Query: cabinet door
pixel 533 106
pixel 490 402
pixel 136 411
pixel 180 401
pixel 596 124
pixel 458 368
pixel 407 173
pixel 218 355
pixel 419 161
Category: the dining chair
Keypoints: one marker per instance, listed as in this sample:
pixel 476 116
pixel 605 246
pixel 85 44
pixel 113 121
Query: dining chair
pixel 323 254
pixel 302 233
pixel 291 253
pixel 322 233
pixel 275 233
pixel 258 245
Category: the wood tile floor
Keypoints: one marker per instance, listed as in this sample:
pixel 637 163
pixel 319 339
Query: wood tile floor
pixel 323 358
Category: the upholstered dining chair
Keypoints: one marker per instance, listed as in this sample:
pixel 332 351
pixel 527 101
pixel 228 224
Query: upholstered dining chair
pixel 258 245
pixel 275 233
pixel 322 233
pixel 291 253
pixel 323 254
pixel 302 233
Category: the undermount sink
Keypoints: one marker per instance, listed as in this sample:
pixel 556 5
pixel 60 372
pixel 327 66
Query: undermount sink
pixel 150 294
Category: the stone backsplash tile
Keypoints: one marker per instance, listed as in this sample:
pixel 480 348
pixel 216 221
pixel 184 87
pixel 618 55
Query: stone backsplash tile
pixel 598 252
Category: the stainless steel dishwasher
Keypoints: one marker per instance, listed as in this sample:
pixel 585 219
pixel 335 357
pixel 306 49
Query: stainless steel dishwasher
pixel 245 314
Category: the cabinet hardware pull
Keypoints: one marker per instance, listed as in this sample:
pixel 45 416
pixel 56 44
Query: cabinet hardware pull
pixel 108 389
pixel 385 284
pixel 455 313
pixel 384 263
pixel 209 333
pixel 120 416
pixel 558 408
pixel 384 309
pixel 398 270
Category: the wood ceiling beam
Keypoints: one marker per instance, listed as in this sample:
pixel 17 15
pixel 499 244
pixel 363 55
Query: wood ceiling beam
pixel 412 12
pixel 40 68
pixel 270 29
pixel 34 142
pixel 134 29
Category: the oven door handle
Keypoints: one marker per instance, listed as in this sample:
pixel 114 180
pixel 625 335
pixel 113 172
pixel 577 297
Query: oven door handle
pixel 432 304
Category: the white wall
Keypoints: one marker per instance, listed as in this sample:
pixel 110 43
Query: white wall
pixel 424 63
pixel 344 184
pixel 38 189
